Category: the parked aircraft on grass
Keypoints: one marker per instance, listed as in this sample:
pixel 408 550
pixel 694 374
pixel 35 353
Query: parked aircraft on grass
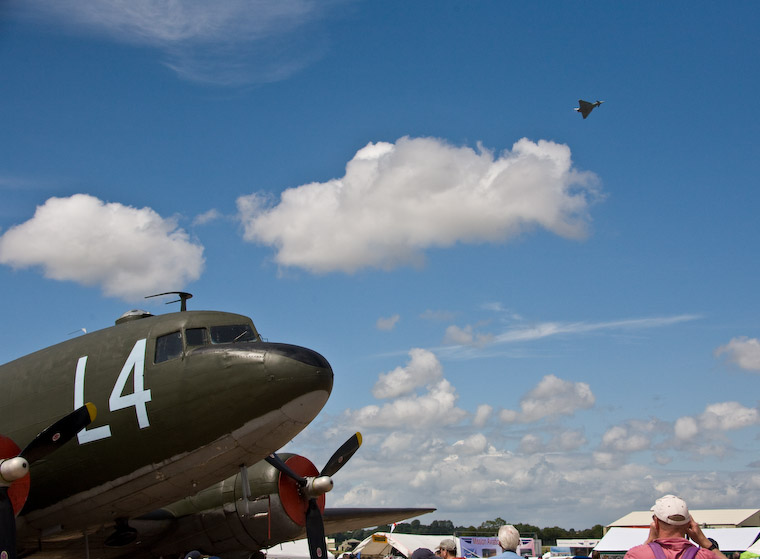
pixel 184 400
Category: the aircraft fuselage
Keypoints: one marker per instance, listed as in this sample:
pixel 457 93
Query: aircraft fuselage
pixel 183 399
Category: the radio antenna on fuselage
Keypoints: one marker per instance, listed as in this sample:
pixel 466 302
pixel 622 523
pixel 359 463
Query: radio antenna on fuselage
pixel 183 297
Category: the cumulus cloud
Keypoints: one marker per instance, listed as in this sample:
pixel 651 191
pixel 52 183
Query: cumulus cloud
pixel 622 439
pixel 437 406
pixel 717 418
pixel 482 415
pixel 743 352
pixel 423 368
pixel 552 397
pixel 388 323
pixel 229 43
pixel 727 416
pixel 419 451
pixel 398 199
pixel 419 397
pixel 128 252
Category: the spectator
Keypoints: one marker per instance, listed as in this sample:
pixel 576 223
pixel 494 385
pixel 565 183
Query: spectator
pixel 447 549
pixel 422 553
pixel 509 541
pixel 671 523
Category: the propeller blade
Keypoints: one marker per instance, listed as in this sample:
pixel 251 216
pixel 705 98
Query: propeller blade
pixel 44 443
pixel 315 531
pixel 59 433
pixel 7 526
pixel 341 456
pixel 280 465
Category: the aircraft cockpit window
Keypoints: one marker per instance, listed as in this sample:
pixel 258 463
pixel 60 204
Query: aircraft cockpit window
pixel 168 347
pixel 232 333
pixel 196 337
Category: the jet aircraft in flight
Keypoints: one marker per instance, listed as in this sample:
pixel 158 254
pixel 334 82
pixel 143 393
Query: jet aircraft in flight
pixel 585 108
pixel 191 406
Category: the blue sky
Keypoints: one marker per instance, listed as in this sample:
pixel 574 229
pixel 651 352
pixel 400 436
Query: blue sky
pixel 530 315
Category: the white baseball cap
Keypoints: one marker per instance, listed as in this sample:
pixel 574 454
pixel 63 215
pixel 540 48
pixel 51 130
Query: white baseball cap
pixel 671 510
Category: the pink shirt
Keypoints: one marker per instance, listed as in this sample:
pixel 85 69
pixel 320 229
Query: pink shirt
pixel 670 546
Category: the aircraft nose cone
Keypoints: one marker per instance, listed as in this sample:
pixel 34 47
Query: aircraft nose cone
pixel 300 354
pixel 300 365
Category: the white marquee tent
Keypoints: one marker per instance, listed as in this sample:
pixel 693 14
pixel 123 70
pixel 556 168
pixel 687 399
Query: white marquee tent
pixel 290 550
pixel 380 544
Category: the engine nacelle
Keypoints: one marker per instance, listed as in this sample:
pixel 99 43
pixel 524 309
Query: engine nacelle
pixel 226 520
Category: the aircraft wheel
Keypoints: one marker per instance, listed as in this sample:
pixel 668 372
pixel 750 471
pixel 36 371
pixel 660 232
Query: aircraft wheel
pixel 195 554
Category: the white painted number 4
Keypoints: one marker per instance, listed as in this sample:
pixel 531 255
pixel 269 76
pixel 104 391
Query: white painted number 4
pixel 118 400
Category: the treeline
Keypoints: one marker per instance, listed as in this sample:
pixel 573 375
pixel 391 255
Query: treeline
pixel 548 535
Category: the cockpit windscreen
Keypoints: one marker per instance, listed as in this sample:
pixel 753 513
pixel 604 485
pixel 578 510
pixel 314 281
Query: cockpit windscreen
pixel 233 333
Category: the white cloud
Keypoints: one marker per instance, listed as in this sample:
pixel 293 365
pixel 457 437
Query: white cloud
pixel 207 217
pixel 705 434
pixel 466 336
pixel 128 252
pixel 229 43
pixel 622 439
pixel 548 329
pixel 423 368
pixel 473 445
pixel 552 397
pixel 408 407
pixel 482 415
pixel 419 451
pixel 727 416
pixel 743 352
pixel 686 428
pixel 388 323
pixel 397 200
pixel 564 441
pixel 436 407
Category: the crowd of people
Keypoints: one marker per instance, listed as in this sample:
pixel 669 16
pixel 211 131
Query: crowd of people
pixel 671 534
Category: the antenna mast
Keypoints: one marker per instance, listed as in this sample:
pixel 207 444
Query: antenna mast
pixel 183 297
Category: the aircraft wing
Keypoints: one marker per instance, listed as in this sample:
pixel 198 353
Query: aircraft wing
pixel 584 107
pixel 345 519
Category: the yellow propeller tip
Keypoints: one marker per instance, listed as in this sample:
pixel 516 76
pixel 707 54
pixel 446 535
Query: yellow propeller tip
pixel 92 410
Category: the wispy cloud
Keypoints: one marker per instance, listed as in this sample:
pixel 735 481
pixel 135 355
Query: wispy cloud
pixel 548 329
pixel 387 323
pixel 227 43
pixel 471 342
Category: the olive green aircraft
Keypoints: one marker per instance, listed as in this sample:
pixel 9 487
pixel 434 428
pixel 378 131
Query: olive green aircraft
pixel 175 422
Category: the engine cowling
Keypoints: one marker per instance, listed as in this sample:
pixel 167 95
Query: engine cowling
pixel 225 519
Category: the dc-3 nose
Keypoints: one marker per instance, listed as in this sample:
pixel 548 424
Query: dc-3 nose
pixel 297 363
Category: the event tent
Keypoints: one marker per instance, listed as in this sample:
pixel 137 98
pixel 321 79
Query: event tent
pixel 381 544
pixel 290 550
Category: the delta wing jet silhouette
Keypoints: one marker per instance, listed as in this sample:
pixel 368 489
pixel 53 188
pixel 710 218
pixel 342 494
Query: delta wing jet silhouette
pixel 179 457
pixel 585 108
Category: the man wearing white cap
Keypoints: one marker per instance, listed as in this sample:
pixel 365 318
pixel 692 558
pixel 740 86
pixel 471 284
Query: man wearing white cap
pixel 671 523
